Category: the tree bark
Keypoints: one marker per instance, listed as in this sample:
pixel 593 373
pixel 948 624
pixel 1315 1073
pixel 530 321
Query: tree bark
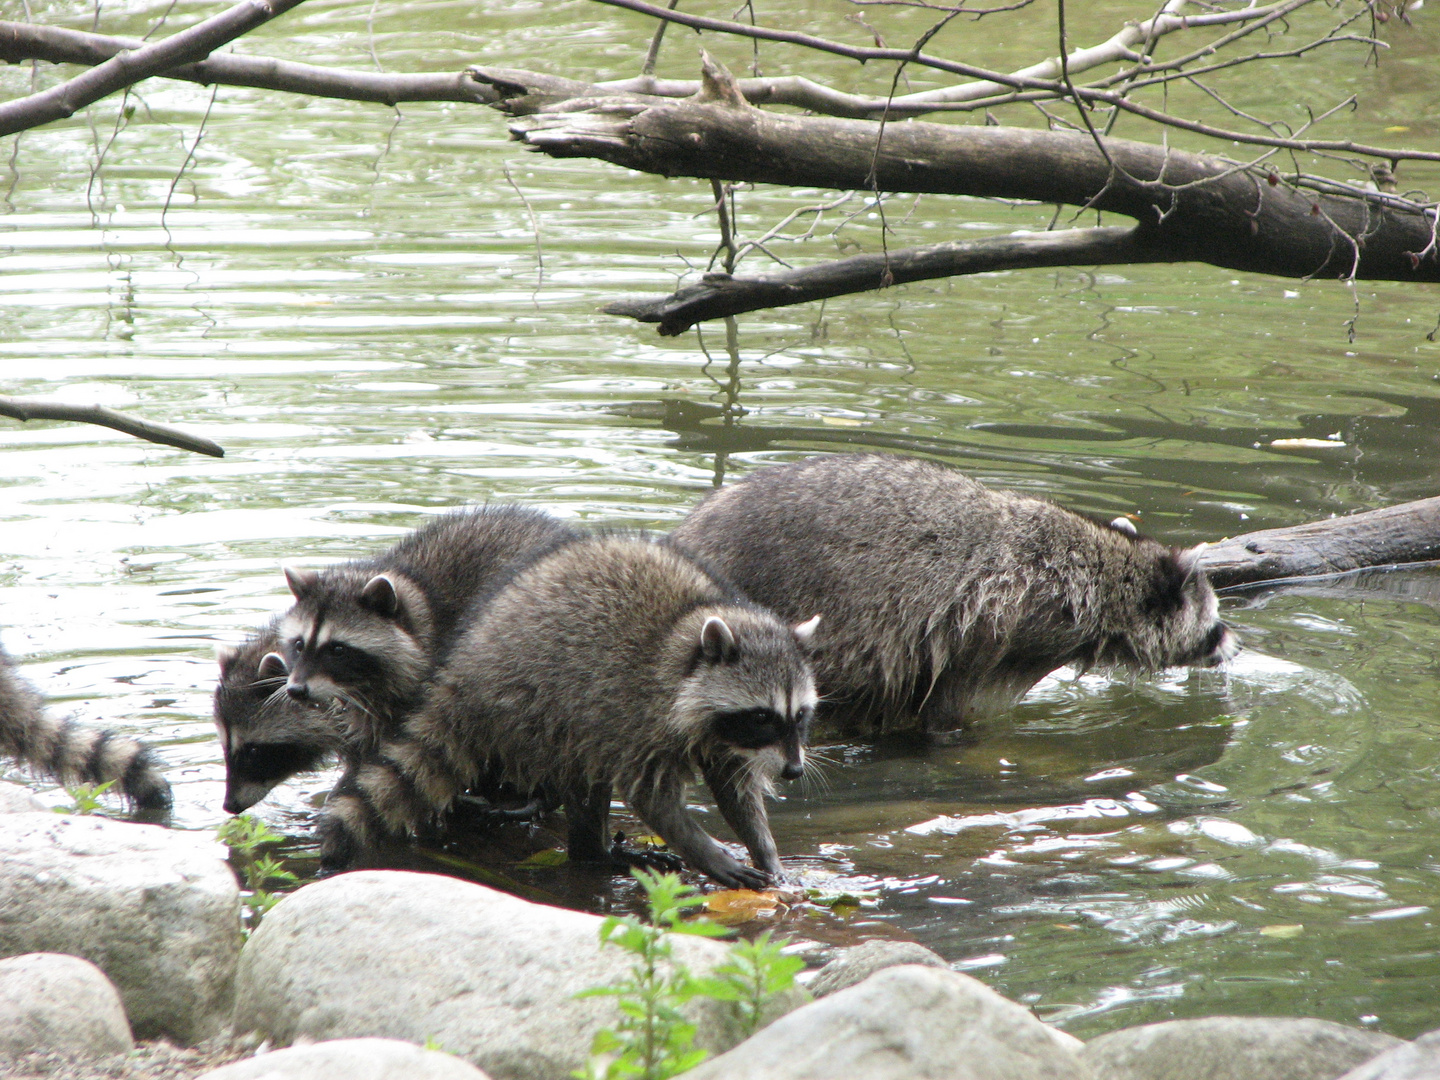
pixel 1189 207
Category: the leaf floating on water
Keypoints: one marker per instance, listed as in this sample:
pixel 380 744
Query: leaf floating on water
pixel 543 859
pixel 1283 930
pixel 735 906
pixel 841 421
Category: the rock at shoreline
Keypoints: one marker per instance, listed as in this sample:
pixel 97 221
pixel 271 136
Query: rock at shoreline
pixel 489 977
pixel 349 1059
pixel 15 799
pixel 59 1004
pixel 1233 1048
pixel 857 964
pixel 1418 1060
pixel 157 910
pixel 903 1023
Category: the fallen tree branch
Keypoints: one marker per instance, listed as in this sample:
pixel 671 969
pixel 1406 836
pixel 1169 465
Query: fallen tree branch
pixel 719 295
pixel 1190 207
pixel 1407 533
pixel 129 67
pixel 24 409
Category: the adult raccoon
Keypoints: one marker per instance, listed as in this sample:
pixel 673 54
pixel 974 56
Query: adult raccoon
pixel 941 598
pixel 350 658
pixel 72 753
pixel 612 662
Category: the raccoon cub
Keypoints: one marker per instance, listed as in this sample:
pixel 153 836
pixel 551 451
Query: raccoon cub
pixel 266 735
pixel 72 753
pixel 614 661
pixel 338 670
pixel 941 598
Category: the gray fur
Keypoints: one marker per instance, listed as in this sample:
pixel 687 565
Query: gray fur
pixel 396 614
pixel 612 662
pixel 73 753
pixel 941 598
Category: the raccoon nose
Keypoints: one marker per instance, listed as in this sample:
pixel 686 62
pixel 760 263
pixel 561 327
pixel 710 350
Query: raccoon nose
pixel 793 770
pixel 298 691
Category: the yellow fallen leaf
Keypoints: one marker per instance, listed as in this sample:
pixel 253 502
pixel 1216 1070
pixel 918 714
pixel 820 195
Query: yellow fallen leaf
pixel 841 421
pixel 548 857
pixel 1283 930
pixel 732 907
pixel 1306 444
pixel 1397 129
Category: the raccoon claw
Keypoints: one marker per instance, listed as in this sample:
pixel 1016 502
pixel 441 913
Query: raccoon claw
pixel 742 877
pixel 650 858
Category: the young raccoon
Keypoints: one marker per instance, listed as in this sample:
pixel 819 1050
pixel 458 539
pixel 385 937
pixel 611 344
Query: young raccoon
pixel 266 735
pixel 939 597
pixel 73 753
pixel 613 661
pixel 339 669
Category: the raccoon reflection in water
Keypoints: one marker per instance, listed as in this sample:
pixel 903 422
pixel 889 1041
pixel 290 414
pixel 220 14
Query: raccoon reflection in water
pixel 941 598
pixel 338 670
pixel 614 661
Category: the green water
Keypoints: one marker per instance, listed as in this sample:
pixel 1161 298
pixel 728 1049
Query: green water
pixel 349 299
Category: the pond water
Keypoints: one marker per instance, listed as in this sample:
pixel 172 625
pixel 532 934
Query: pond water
pixel 351 300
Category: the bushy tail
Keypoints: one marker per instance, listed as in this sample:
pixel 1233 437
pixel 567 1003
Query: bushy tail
pixel 72 753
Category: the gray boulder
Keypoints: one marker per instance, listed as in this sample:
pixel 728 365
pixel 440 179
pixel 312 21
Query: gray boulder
pixel 15 799
pixel 157 910
pixel 857 964
pixel 1418 1060
pixel 486 975
pixel 903 1023
pixel 51 1003
pixel 1233 1048
pixel 349 1059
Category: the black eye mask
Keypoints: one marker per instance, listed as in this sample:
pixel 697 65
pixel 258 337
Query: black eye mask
pixel 750 729
pixel 265 762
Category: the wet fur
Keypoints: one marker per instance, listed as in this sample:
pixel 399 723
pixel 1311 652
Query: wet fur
pixel 311 708
pixel 940 598
pixel 73 753
pixel 602 666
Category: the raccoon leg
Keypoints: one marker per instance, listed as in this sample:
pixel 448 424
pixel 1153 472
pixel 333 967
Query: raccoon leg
pixel 662 807
pixel 742 804
pixel 587 820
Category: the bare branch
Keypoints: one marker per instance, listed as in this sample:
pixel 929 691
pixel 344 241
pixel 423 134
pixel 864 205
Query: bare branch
pixel 24 409
pixel 127 68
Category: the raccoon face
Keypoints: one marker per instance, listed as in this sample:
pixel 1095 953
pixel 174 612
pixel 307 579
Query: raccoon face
pixel 358 640
pixel 751 691
pixel 1177 619
pixel 265 735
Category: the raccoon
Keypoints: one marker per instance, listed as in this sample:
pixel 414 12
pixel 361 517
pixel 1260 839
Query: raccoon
pixel 613 661
pixel 72 753
pixel 942 599
pixel 338 671
pixel 266 735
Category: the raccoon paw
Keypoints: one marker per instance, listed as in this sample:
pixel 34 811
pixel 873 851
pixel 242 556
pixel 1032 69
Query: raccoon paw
pixel 482 812
pixel 650 858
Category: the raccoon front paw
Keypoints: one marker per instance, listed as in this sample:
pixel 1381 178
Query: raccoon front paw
pixel 740 876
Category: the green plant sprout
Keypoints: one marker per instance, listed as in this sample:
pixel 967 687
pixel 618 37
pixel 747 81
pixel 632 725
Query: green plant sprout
pixel 653 1040
pixel 244 835
pixel 85 798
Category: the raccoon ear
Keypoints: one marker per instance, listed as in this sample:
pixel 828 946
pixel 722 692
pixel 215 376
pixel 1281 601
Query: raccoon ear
pixel 302 582
pixel 380 597
pixel 225 656
pixel 1188 560
pixel 804 632
pixel 272 666
pixel 1124 525
pixel 717 640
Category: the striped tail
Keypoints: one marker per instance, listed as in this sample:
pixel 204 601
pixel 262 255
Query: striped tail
pixel 72 753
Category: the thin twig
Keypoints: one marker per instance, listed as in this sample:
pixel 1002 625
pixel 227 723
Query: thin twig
pixel 25 409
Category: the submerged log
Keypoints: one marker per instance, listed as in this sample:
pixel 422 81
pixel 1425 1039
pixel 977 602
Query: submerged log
pixel 1392 535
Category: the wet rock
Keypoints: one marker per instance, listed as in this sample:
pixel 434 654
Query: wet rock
pixel 15 799
pixel 349 1059
pixel 59 1004
pixel 157 910
pixel 1418 1060
pixel 857 964
pixel 903 1023
pixel 1233 1048
pixel 488 976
